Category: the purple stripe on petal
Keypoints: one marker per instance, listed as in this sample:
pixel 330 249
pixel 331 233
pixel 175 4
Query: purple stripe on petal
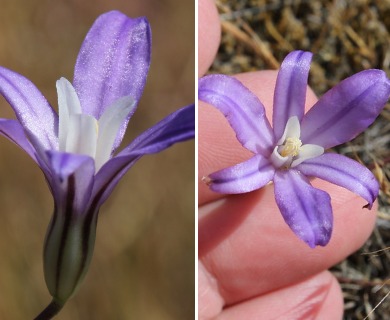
pixel 113 61
pixel 109 176
pixel 71 234
pixel 242 109
pixel 176 127
pixel 306 210
pixel 343 172
pixel 243 177
pixel 290 90
pixel 81 169
pixel 346 110
pixel 31 108
pixel 12 130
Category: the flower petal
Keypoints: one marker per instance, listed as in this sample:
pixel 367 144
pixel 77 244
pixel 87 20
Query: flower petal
pixel 344 172
pixel 242 109
pixel 32 110
pixel 305 209
pixel 113 62
pixel 290 90
pixel 110 174
pixel 71 234
pixel 12 130
pixel 346 110
pixel 178 126
pixel 72 179
pixel 243 177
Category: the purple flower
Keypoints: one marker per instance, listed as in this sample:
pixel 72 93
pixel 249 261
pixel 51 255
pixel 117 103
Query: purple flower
pixel 293 150
pixel 75 148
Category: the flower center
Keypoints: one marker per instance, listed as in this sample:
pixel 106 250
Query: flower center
pixel 290 148
pixel 81 133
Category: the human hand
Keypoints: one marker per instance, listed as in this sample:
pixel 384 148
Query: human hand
pixel 251 265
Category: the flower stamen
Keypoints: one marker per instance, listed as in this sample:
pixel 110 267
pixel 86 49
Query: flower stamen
pixel 289 150
pixel 290 147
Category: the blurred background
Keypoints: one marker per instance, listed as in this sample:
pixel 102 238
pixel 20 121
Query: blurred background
pixel 143 266
pixel 346 36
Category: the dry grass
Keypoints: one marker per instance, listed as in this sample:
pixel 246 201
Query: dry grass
pixel 346 37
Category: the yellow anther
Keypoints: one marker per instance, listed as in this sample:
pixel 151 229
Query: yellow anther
pixel 290 147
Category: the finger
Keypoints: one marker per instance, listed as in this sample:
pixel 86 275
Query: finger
pixel 210 302
pixel 209 35
pixel 318 297
pixel 249 250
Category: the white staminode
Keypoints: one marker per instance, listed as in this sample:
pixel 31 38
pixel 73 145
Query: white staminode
pixel 289 151
pixel 83 134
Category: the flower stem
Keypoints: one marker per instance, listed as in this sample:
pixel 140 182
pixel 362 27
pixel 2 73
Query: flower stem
pixel 50 311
